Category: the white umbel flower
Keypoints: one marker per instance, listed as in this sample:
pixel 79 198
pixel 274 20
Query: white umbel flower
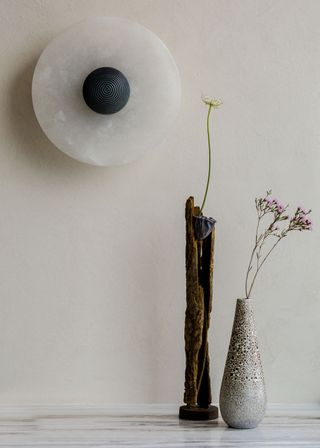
pixel 213 102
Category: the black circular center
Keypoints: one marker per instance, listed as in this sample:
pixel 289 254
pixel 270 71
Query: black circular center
pixel 106 90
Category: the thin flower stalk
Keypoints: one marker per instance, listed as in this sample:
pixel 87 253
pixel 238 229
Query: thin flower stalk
pixel 212 104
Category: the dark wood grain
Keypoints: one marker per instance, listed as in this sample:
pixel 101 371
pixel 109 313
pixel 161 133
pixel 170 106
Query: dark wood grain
pixel 199 278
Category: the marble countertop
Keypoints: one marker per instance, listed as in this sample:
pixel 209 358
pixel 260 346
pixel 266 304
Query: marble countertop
pixel 151 426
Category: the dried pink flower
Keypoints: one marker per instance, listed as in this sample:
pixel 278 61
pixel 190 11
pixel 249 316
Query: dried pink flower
pixel 272 207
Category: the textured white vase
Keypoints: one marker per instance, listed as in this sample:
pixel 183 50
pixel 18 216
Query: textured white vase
pixel 242 395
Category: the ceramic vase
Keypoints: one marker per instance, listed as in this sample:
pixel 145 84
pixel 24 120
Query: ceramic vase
pixel 242 395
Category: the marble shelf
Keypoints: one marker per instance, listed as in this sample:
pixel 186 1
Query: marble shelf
pixel 151 426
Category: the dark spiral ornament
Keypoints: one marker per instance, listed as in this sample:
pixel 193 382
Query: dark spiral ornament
pixel 106 90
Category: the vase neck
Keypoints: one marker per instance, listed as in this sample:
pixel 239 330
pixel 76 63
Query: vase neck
pixel 244 300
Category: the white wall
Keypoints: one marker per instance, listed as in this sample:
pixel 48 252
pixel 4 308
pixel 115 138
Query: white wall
pixel 92 260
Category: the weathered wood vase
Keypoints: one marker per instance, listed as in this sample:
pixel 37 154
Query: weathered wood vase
pixel 199 277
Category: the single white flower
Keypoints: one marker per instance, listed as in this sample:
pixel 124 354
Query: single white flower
pixel 213 102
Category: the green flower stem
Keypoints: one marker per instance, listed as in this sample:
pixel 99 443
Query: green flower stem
pixel 209 167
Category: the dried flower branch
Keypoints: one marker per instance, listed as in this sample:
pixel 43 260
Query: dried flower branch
pixel 279 227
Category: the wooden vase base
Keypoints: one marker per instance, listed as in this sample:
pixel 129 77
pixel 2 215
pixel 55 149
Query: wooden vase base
pixel 197 413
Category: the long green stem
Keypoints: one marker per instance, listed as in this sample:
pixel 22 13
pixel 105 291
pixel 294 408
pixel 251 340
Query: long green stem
pixel 209 162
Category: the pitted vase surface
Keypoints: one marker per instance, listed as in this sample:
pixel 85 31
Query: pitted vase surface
pixel 242 395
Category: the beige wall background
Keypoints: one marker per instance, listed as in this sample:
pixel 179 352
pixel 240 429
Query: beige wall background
pixel 92 259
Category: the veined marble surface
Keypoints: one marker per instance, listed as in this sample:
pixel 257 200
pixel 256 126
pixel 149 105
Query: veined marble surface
pixel 151 426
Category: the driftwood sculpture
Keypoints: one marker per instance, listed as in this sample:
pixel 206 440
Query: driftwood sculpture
pixel 199 276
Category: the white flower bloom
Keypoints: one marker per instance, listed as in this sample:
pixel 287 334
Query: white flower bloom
pixel 215 103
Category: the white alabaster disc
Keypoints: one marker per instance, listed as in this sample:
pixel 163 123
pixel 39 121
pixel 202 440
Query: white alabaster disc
pixel 79 131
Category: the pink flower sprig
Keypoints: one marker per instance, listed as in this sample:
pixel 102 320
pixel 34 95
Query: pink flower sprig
pixel 300 220
pixel 279 227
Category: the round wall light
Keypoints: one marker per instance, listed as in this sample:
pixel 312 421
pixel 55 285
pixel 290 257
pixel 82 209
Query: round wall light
pixel 106 90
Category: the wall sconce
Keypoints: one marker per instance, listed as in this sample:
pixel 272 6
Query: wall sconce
pixel 106 90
